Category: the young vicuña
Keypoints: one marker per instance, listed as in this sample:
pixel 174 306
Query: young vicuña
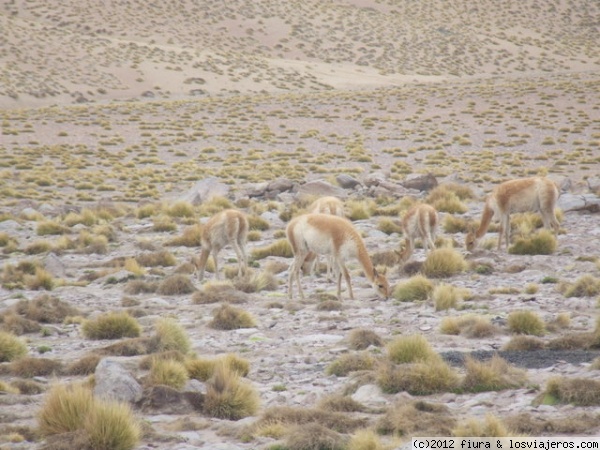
pixel 324 234
pixel 325 205
pixel 228 227
pixel 420 221
pixel 536 194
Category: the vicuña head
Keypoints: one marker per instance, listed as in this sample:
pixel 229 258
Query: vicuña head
pixel 228 227
pixel 536 194
pixel 323 234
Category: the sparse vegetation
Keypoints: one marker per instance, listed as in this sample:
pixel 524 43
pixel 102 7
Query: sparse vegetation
pixel 112 325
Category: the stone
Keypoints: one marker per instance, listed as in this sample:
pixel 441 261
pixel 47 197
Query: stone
pixel 54 266
pixel 321 188
pixel 369 395
pixel 113 381
pixel 420 182
pixel 346 181
pixel 205 190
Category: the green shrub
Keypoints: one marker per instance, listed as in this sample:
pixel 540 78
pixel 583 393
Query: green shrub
pixel 64 409
pixel 410 348
pixel 168 372
pixel 541 243
pixel 172 336
pixel 227 317
pixel 228 396
pixel 350 362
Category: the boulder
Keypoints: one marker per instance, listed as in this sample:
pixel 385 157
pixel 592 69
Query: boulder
pixel 579 202
pixel 346 181
pixel 420 182
pixel 113 381
pixel 204 190
pixel 54 266
pixel 320 188
pixel 162 399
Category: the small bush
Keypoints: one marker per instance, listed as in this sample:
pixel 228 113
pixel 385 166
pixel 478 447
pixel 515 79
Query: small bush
pixel 228 396
pixel 415 288
pixel 161 258
pixel 445 200
pixel 253 282
pixel 491 426
pixel 84 366
pixel 227 317
pixel 388 226
pixel 35 367
pixel 314 437
pixel 541 243
pixel 584 286
pixel 493 375
pixel 50 227
pixel 163 224
pixel 365 440
pixel 411 348
pixel 177 284
pixel 361 339
pixel 445 296
pixel 11 347
pixel 257 223
pixel 217 292
pixel 65 409
pixel 280 247
pixel 577 391
pixel 524 343
pixel 168 372
pixel 469 325
pixel 358 210
pixel 416 418
pixel 421 378
pixel 350 362
pixel 134 287
pixel 41 280
pixel 453 224
pixel 111 425
pixel 443 262
pixel 526 322
pixel 340 403
pixel 172 336
pixel 191 237
pixel 46 309
pixel 112 325
pixel 181 209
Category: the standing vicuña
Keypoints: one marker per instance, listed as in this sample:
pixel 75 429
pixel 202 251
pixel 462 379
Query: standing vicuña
pixel 325 205
pixel 229 227
pixel 515 196
pixel 323 234
pixel 420 221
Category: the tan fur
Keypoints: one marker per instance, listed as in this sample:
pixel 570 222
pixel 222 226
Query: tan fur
pixel 228 227
pixel 536 194
pixel 420 221
pixel 324 234
pixel 325 205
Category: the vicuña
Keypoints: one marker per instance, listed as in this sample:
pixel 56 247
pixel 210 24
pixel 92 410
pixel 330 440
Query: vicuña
pixel 536 194
pixel 325 205
pixel 228 227
pixel 328 235
pixel 420 221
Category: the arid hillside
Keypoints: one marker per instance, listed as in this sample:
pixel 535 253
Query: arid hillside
pixel 67 51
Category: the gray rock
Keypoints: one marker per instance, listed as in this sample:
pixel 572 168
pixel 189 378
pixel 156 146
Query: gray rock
pixel 369 395
pixel 113 381
pixel 54 266
pixel 204 190
pixel 346 181
pixel 579 202
pixel 374 179
pixel 420 182
pixel 321 188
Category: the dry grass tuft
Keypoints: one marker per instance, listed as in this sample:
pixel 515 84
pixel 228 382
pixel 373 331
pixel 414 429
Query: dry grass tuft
pixel 65 409
pixel 228 396
pixel 203 368
pixel 340 403
pixel 411 348
pixel 541 243
pixel 526 322
pixel 468 325
pixel 365 440
pixel 493 375
pixel 177 284
pixel 217 292
pixel 227 317
pixel 35 367
pixel 585 286
pixel 444 262
pixel 350 362
pixel 421 378
pixel 112 325
pixel 315 437
pixel 171 336
pixel 416 418
pixel 167 372
pixel 415 288
pixel 46 309
pixel 280 247
pixel 490 426
pixel 84 366
pixel 361 339
pixel 576 391
pixel 112 425
pixel 11 347
pixel 191 237
pixel 524 343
